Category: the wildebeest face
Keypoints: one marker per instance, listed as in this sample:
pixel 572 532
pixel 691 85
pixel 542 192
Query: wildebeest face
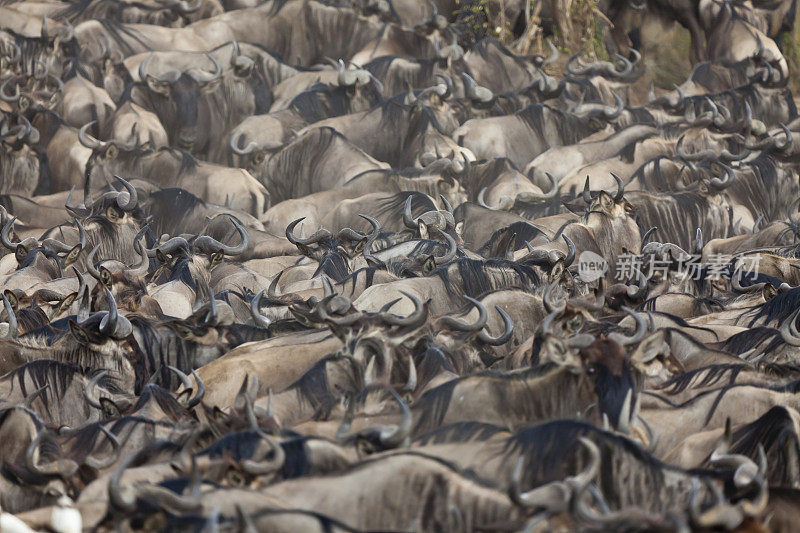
pixel 615 380
pixel 182 99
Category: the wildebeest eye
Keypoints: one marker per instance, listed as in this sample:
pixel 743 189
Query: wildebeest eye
pixel 365 447
pixel 105 277
pixel 236 478
pixel 591 369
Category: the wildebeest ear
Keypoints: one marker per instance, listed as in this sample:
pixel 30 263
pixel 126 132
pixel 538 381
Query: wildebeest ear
pixel 12 298
pixel 768 292
pixel 558 352
pixel 110 409
pixel 156 86
pixel 359 247
pixel 211 85
pixel 429 265
pixel 73 254
pixel 184 396
pixel 105 276
pixel 66 303
pixel 364 447
pixel 20 253
pixel 423 230
pixel 218 415
pixel 649 351
pixel 181 330
pixel 78 332
pixel 557 270
pixel 605 201
pixel 304 249
pixel 162 257
pixel 217 257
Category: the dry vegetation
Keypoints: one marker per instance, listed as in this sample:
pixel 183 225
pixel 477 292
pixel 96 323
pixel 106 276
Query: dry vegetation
pixel 666 49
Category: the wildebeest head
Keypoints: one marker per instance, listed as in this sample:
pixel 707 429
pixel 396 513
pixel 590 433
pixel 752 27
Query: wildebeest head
pixel 112 221
pixel 610 219
pixel 374 439
pixel 42 91
pixel 190 260
pixel 113 156
pixel 152 400
pixel 439 221
pixel 49 254
pixel 616 378
pixel 334 253
pixel 19 427
pixel 125 282
pixel 178 94
pixel 19 164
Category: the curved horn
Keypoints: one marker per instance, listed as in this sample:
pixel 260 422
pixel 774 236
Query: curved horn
pixel 109 322
pixel 6 97
pixel 719 184
pixel 154 493
pixel 187 384
pixel 416 318
pixel 64 468
pixel 533 197
pixel 620 188
pixel 88 391
pixel 460 325
pixel 789 332
pixel 788 139
pixel 588 196
pixel 252 145
pixel 376 229
pixel 411 384
pixel 211 245
pixel 482 200
pixel 260 468
pixel 393 438
pixel 144 262
pixel 87 140
pixel 258 319
pixel 451 251
pixel 647 234
pixel 408 219
pixel 505 336
pixel 102 464
pixel 570 257
pixel 616 111
pixel 90 264
pixel 127 199
pixel 627 66
pixel 576 71
pixel 641 330
pixel 553 57
pixel 4 237
pixel 217 74
pixel 318 236
pixel 113 324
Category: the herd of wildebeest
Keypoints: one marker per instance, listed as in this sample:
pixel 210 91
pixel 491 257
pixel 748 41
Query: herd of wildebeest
pixel 344 265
